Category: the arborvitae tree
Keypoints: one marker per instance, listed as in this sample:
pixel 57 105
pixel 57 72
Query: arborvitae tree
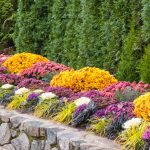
pixel 24 27
pixel 71 36
pixel 31 27
pixel 130 55
pixel 145 66
pixel 146 20
pixel 7 21
pixel 58 27
pixel 88 48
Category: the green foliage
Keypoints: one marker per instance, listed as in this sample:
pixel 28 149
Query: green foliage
pixel 131 55
pixel 7 21
pixel 110 34
pixel 145 66
pixel 146 20
pixel 127 95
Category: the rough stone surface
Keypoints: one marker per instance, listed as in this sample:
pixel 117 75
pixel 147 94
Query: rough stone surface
pixel 47 146
pixel 21 142
pixel 13 133
pixel 31 127
pixel 5 134
pixel 37 145
pixel 55 148
pixel 17 120
pixel 8 147
pixel 26 132
pixel 52 134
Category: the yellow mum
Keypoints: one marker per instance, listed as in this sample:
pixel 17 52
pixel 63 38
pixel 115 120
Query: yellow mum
pixel 142 106
pixel 21 61
pixel 85 79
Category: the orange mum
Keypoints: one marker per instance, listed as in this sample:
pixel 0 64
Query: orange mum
pixel 19 62
pixel 142 106
pixel 85 79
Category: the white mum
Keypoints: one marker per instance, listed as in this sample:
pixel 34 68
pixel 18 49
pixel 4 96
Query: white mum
pixel 134 122
pixel 22 91
pixel 38 91
pixel 47 95
pixel 82 100
pixel 7 86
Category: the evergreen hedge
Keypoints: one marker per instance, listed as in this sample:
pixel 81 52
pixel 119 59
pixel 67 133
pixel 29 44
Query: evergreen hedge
pixel 110 34
pixel 7 21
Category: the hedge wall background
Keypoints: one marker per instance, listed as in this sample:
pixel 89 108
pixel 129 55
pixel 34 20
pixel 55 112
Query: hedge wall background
pixel 110 34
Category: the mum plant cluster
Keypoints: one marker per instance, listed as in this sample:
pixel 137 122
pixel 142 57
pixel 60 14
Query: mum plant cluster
pixel 89 98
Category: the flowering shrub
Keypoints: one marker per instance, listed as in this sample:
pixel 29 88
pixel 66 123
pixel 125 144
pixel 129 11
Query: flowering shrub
pixel 3 58
pixel 9 79
pixel 141 106
pixel 40 69
pixel 116 110
pixel 125 91
pixel 61 92
pixel 63 79
pixel 3 70
pixel 146 136
pixel 100 99
pixel 32 84
pixel 19 62
pixel 85 79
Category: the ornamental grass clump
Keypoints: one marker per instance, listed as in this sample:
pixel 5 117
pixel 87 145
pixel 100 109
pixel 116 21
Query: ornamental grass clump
pixel 98 125
pixel 141 106
pixel 85 79
pixel 53 109
pixel 40 69
pixel 45 101
pixel 131 138
pixel 65 113
pixel 21 61
pixel 20 96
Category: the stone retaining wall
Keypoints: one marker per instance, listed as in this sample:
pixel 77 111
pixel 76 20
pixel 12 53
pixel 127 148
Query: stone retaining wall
pixel 25 132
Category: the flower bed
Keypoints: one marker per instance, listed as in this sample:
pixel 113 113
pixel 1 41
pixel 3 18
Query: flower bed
pixel 19 62
pixel 85 79
pixel 88 98
pixel 41 69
